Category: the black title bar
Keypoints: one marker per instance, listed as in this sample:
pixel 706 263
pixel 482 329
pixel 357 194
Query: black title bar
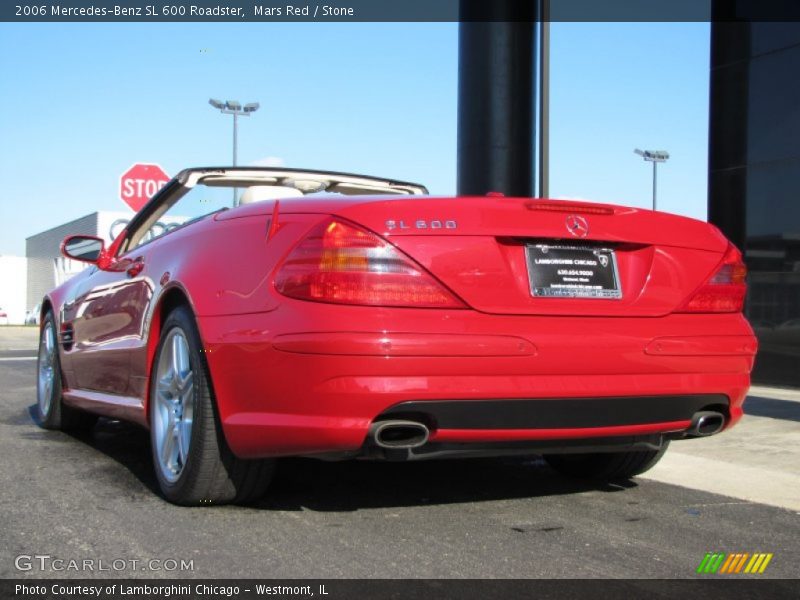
pixel 397 589
pixel 148 11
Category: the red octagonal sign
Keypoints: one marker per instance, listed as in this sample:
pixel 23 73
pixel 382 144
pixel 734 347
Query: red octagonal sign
pixel 139 183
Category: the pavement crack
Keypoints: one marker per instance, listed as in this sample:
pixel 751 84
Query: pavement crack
pixel 528 528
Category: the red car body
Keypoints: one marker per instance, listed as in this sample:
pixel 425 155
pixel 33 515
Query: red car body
pixel 495 369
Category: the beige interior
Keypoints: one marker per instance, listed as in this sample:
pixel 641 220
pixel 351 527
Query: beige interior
pixel 257 193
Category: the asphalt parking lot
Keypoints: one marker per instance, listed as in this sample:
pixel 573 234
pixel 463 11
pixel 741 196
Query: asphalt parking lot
pixel 94 497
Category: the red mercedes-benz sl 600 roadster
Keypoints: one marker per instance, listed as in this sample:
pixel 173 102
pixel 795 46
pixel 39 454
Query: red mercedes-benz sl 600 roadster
pixel 246 314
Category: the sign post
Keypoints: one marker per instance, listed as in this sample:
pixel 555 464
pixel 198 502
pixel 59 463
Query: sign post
pixel 139 183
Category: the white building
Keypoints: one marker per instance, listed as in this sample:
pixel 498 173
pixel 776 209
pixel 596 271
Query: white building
pixel 13 275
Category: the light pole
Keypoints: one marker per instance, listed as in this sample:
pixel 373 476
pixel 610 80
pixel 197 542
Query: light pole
pixel 654 156
pixel 233 107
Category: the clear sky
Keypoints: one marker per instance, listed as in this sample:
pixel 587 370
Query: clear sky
pixel 82 102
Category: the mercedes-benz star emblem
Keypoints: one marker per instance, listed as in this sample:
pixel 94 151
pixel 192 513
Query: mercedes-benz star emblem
pixel 577 226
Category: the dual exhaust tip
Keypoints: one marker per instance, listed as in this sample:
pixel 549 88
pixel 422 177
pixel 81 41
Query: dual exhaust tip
pixel 398 434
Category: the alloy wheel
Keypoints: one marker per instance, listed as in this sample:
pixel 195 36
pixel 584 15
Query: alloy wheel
pixel 174 409
pixel 47 369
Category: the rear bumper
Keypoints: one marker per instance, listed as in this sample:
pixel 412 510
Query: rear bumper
pixel 610 415
pixel 288 385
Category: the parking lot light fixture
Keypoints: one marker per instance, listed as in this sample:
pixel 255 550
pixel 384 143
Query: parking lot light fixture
pixel 654 156
pixel 234 107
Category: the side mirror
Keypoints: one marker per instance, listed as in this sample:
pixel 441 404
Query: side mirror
pixel 85 248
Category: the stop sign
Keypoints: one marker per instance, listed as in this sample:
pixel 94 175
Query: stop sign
pixel 139 183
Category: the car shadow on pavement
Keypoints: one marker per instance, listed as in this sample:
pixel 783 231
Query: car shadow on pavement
pixel 352 485
pixel 310 484
pixel 788 410
pixel 125 443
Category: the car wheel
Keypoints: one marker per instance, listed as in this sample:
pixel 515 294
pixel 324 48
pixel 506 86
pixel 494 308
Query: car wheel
pixel 50 410
pixel 606 466
pixel 193 463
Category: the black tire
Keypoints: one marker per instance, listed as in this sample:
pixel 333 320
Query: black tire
pixel 612 466
pixel 209 473
pixel 51 412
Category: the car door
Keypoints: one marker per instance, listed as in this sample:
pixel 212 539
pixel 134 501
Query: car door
pixel 106 319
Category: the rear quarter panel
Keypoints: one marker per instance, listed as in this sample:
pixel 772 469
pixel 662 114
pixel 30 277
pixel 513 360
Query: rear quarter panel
pixel 223 267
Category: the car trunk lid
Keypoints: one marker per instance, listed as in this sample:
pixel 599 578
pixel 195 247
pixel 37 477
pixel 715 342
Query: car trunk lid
pixel 487 250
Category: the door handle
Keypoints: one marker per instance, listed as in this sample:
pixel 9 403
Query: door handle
pixel 135 268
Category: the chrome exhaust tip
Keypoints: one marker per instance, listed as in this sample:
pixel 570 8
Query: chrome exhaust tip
pixel 705 423
pixel 398 434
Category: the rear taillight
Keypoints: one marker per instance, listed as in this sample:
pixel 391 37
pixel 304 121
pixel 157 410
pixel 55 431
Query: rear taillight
pixel 342 263
pixel 725 289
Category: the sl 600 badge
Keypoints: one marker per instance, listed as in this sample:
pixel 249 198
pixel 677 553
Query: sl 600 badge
pixel 421 224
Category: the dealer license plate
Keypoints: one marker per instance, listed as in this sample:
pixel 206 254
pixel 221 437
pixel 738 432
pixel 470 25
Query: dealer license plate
pixel 573 272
